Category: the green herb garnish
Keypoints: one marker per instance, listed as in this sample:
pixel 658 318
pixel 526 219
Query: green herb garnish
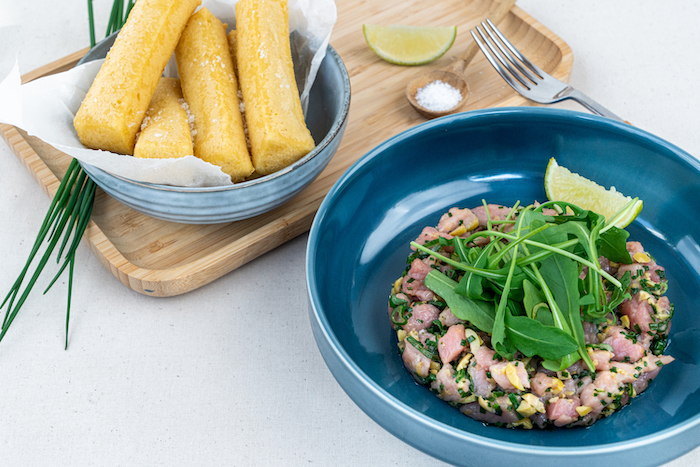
pixel 526 287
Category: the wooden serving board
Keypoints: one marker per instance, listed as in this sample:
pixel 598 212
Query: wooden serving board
pixel 161 259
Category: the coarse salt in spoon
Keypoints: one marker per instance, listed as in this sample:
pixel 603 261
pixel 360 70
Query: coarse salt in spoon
pixel 438 88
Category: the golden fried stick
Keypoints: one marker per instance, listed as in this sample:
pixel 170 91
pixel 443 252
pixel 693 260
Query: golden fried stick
pixel 231 36
pixel 111 113
pixel 276 128
pixel 211 91
pixel 165 132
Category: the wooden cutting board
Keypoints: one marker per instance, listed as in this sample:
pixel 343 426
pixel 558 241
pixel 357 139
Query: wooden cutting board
pixel 161 259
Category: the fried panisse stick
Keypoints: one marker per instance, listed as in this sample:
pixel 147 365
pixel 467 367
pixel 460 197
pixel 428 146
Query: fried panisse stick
pixel 276 128
pixel 111 113
pixel 211 91
pixel 165 132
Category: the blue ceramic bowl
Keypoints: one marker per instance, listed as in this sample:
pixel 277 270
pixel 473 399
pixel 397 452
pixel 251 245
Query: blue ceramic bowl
pixel 359 243
pixel 327 115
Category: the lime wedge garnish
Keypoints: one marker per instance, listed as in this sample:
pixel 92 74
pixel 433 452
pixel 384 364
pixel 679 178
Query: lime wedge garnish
pixel 561 184
pixel 409 45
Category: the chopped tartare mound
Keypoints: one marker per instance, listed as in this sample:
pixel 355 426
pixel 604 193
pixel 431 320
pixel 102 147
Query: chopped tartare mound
pixel 531 316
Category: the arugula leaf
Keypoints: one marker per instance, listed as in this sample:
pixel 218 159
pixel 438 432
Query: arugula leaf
pixel 613 245
pixel 519 275
pixel 481 314
pixel 560 274
pixel 472 285
pixel 573 212
pixel 535 304
pixel 561 364
pixel 579 227
pixel 543 314
pixel 461 250
pixel 532 296
pixel 587 299
pixel 505 349
pixel 516 306
pixel 619 295
pixel 533 338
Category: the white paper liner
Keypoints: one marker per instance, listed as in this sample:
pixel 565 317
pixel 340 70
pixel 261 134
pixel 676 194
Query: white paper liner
pixel 45 108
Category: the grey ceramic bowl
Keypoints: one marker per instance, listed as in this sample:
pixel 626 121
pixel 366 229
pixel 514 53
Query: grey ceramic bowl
pixel 358 245
pixel 329 103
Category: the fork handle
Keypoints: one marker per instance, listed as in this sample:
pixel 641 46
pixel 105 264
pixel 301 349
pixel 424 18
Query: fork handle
pixel 591 105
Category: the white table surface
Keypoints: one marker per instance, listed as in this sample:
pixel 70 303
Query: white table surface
pixel 230 374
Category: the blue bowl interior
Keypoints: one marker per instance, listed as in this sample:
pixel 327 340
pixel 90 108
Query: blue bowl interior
pixel 359 244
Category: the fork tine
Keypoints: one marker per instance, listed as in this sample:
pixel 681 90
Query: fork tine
pixel 513 59
pixel 496 64
pixel 504 63
pixel 543 88
pixel 516 52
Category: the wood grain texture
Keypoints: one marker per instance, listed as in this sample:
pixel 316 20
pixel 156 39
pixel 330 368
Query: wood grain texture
pixel 160 258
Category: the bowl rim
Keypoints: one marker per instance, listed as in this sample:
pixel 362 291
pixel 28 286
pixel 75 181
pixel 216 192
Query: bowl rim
pixel 318 149
pixel 377 391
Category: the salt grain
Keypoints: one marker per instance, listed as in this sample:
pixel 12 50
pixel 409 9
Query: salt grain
pixel 145 123
pixel 190 117
pixel 438 96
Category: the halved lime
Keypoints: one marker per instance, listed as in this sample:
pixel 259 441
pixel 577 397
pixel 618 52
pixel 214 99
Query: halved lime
pixel 561 184
pixel 409 45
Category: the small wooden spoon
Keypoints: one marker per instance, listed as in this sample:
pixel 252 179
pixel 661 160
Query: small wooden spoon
pixel 452 74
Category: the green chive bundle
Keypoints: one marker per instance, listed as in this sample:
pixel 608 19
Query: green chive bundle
pixel 69 213
pixel 67 218
pixel 117 17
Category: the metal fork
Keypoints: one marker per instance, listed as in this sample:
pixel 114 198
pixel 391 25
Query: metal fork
pixel 526 77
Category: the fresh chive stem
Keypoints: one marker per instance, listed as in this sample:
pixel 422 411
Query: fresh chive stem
pixel 464 267
pixel 542 254
pixel 514 244
pixel 129 6
pixel 83 215
pixel 112 19
pixel 70 295
pixel 91 23
pixel 72 212
pixel 619 215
